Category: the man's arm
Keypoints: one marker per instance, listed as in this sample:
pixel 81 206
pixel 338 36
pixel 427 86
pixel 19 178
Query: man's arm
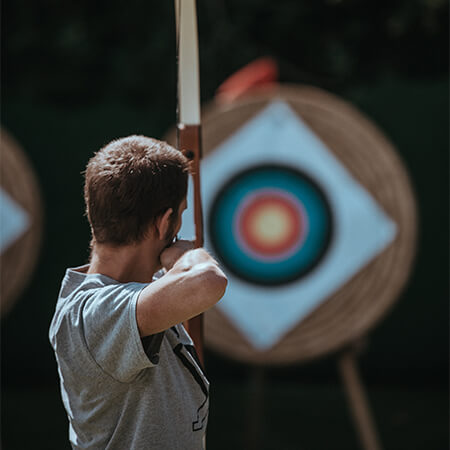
pixel 193 284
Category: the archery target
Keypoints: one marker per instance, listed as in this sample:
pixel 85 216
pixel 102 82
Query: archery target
pixel 287 221
pixel 270 224
pixel 20 221
pixel 354 170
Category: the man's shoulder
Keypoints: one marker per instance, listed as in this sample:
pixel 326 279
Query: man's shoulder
pixel 91 304
pixel 78 289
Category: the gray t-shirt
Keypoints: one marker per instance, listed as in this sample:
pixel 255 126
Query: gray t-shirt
pixel 119 391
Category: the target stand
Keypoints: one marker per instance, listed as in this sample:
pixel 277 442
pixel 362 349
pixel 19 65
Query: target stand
pixel 311 214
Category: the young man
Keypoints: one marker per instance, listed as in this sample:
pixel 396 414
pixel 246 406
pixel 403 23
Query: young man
pixel 124 383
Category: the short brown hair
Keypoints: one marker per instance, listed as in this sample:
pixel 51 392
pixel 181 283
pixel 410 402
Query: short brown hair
pixel 128 184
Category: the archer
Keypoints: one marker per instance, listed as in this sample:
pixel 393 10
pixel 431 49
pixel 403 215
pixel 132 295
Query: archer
pixel 130 377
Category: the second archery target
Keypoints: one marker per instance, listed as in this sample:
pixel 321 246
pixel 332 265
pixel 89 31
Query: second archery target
pixel 270 224
pixel 20 221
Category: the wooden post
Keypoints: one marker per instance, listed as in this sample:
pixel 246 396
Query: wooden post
pixel 358 401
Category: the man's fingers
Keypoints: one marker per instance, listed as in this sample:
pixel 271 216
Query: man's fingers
pixel 184 244
pixel 171 254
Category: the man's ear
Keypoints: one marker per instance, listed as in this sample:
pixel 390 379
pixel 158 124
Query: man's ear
pixel 162 224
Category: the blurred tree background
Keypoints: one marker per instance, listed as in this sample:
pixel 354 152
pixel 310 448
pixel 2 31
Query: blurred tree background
pixel 76 74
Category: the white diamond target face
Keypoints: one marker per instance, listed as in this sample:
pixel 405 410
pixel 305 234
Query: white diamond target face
pixel 287 221
pixel 270 225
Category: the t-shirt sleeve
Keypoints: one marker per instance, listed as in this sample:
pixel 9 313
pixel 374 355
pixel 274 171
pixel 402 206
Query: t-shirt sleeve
pixel 111 331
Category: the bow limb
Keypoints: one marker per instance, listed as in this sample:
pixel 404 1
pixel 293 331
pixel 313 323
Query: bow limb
pixel 188 125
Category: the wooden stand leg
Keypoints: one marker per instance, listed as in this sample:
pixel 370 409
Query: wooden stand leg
pixel 358 401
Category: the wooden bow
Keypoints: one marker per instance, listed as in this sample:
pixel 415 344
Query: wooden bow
pixel 188 125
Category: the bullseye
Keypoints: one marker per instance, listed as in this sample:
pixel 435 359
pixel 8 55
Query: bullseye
pixel 270 224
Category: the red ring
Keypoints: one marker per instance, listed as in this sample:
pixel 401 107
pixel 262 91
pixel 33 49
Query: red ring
pixel 255 243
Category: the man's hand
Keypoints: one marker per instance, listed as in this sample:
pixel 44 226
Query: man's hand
pixel 170 255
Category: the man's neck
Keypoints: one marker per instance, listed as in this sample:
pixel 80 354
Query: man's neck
pixel 125 263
